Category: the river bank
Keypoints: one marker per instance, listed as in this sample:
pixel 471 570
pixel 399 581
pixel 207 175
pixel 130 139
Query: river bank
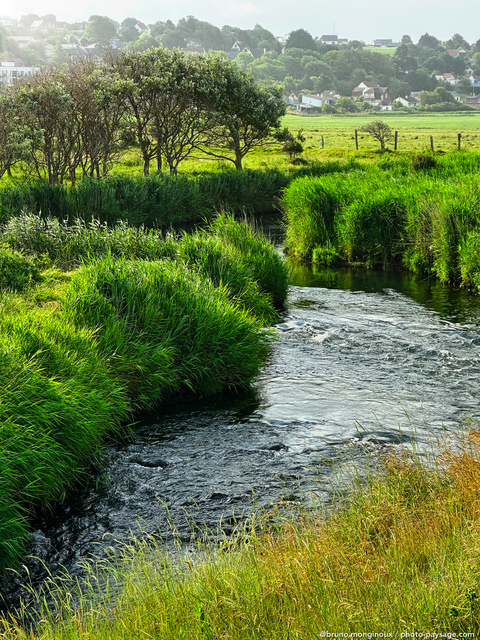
pixel 83 350
pixel 366 363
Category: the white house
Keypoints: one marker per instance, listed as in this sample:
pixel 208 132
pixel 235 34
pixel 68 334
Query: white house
pixel 13 69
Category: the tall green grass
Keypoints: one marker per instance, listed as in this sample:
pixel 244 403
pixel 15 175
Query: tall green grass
pixel 115 335
pixel 415 215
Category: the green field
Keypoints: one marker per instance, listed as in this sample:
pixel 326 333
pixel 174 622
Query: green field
pixel 414 131
pixel 388 51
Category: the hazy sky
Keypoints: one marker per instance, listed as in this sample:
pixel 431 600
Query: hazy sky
pixel 352 19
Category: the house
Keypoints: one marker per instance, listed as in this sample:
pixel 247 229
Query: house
pixel 314 101
pixel 372 93
pixel 447 77
pixel 305 108
pixel 8 22
pixel 474 101
pixel 43 25
pixel 291 100
pixel 409 101
pixel 141 27
pixel 384 42
pixel 329 97
pixel 456 52
pixel 329 39
pixel 12 69
pixel 238 47
pixel 456 96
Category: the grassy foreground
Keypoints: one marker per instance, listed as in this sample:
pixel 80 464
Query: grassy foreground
pixel 81 350
pixel 400 555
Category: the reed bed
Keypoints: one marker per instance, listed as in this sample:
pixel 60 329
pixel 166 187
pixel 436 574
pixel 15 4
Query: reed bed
pixel 82 350
pixel 419 213
pixel 399 555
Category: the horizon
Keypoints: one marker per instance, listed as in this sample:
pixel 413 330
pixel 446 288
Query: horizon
pixel 348 20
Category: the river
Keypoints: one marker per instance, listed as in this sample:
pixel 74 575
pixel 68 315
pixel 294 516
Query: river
pixel 364 361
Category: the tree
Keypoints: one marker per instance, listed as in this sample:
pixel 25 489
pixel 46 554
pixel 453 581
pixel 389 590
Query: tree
pixel 243 115
pixel 46 107
pixel 457 41
pixel 301 39
pixel 345 105
pixel 292 144
pixel 128 30
pixel 169 99
pixel 380 130
pixel 429 42
pixel 100 30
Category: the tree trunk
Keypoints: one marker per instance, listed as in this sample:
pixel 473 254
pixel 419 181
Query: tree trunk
pixel 238 160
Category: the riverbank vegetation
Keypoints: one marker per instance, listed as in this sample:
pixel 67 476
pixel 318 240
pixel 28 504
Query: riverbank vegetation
pixel 398 555
pixel 418 213
pixel 96 323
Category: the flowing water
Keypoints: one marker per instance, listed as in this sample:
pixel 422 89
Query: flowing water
pixel 364 360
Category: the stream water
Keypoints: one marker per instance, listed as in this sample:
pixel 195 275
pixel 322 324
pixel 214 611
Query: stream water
pixel 364 360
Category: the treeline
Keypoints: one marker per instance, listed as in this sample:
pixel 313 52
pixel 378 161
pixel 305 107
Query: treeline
pixel 76 120
pixel 309 66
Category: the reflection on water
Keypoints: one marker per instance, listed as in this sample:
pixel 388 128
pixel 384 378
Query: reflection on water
pixel 453 303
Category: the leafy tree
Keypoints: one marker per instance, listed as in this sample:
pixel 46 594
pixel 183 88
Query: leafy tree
pixel 128 30
pixel 301 39
pixel 244 59
pixel 292 144
pixel 45 106
pixel 438 96
pixel 457 41
pixel 380 130
pixel 267 69
pixel 403 59
pixel 345 105
pixel 406 40
pixel 15 143
pixel 243 115
pixel 429 42
pixel 26 20
pixel 100 30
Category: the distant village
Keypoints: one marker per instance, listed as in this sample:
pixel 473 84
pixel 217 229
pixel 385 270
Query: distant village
pixel 320 74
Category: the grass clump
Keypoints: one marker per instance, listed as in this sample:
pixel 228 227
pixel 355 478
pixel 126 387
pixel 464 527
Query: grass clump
pixel 400 554
pixel 390 214
pixel 85 348
pixel 16 270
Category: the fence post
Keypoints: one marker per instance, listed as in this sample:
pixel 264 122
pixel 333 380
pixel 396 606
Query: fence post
pixel 459 141
pixel 356 139
pixel 323 143
pixel 396 140
pixel 431 143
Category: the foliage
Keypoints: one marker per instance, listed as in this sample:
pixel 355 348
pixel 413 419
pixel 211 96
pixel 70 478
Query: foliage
pixel 380 130
pixel 16 270
pixel 118 334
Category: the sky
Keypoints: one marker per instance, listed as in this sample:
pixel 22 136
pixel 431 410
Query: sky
pixel 352 19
